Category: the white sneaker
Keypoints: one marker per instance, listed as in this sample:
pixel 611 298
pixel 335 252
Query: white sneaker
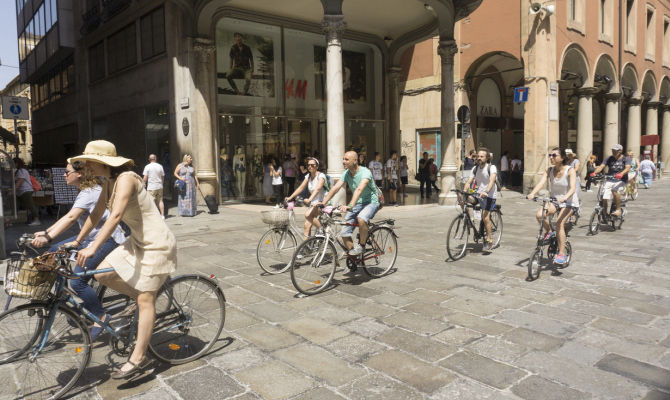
pixel 276 206
pixel 358 249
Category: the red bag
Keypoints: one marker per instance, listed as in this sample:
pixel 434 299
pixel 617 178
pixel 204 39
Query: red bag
pixel 36 185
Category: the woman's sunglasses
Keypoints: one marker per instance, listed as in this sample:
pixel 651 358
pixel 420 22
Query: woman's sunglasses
pixel 552 155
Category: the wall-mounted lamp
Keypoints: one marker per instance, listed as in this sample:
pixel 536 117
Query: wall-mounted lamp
pixel 536 8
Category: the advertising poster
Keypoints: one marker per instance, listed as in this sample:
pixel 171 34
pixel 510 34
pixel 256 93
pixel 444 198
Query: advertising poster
pixel 354 71
pixel 247 64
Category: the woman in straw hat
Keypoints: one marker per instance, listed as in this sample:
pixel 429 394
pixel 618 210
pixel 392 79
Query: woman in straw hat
pixel 149 254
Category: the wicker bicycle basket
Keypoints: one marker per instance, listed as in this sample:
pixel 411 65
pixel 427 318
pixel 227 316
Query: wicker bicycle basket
pixel 24 280
pixel 277 218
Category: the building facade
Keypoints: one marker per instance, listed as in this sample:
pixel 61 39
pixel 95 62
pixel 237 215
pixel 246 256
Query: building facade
pixel 597 74
pixel 22 148
pixel 230 82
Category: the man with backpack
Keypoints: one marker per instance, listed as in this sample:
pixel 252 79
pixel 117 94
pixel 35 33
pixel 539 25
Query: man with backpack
pixel 484 175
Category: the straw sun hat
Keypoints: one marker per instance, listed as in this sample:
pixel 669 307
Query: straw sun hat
pixel 103 152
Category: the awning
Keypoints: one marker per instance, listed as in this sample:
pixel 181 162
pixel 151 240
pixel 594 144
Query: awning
pixel 8 136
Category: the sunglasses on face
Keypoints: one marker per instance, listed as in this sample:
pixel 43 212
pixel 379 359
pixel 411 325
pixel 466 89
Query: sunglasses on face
pixel 67 173
pixel 311 165
pixel 552 155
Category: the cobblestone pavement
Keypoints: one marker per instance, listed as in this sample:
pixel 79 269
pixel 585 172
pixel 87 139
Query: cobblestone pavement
pixel 472 329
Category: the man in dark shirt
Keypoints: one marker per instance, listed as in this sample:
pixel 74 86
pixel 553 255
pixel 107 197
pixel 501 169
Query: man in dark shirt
pixel 618 165
pixel 241 64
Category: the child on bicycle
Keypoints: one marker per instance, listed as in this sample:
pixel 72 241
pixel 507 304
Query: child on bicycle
pixel 316 183
pixel 89 192
pixel 563 187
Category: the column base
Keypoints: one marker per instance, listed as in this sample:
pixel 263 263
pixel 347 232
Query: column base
pixel 208 186
pixel 447 183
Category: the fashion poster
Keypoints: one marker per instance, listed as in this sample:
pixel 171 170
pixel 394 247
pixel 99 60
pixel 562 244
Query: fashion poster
pixel 246 64
pixel 354 72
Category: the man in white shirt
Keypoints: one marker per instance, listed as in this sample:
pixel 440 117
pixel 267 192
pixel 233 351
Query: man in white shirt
pixel 647 168
pixel 504 169
pixel 484 175
pixel 154 177
pixel 392 176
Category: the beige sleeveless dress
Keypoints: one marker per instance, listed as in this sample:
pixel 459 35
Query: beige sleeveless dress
pixel 150 253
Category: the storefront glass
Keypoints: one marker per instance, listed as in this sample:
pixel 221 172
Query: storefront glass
pixel 271 99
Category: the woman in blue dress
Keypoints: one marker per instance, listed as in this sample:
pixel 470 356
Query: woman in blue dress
pixel 185 172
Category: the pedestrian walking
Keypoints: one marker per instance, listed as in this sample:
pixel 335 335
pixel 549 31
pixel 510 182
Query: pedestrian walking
pixel 424 176
pixel 403 172
pixel 516 175
pixel 392 176
pixel 377 169
pixel 24 191
pixel 277 183
pixel 574 162
pixel 647 169
pixel 290 167
pixel 185 172
pixel 267 180
pixel 504 169
pixel 433 175
pixel 154 178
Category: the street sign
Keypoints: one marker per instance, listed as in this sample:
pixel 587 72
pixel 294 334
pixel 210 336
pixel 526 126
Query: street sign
pixel 520 94
pixel 463 114
pixel 15 107
pixel 463 131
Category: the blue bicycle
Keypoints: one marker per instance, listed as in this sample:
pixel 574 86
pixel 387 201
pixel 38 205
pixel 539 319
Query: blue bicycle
pixel 45 345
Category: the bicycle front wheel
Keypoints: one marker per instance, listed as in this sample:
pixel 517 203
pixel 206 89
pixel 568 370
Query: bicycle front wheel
pixel 19 329
pixel 534 265
pixel 313 265
pixel 190 312
pixel 496 227
pixel 594 223
pixel 384 249
pixel 457 238
pixel 275 249
pixel 45 371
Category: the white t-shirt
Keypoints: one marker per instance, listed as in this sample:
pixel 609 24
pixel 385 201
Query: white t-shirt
pixel 26 185
pixel 376 168
pixel 86 200
pixel 313 183
pixel 504 164
pixel 516 162
pixel 647 166
pixel 276 180
pixel 402 166
pixel 482 179
pixel 154 173
pixel 391 163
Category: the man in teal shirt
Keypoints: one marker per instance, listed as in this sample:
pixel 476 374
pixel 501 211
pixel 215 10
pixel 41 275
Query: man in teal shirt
pixel 364 203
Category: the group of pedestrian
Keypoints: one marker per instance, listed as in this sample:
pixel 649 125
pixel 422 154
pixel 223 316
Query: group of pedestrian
pixel 427 176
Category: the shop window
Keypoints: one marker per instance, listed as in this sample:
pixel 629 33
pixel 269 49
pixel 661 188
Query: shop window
pixel 122 49
pixel 429 142
pixel 96 61
pixel 666 41
pixel 605 20
pixel 152 27
pixel 576 15
pixel 650 37
pixel 631 26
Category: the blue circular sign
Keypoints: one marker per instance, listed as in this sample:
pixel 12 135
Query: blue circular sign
pixel 15 109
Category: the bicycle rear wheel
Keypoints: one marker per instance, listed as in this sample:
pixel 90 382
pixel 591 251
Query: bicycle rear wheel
pixel 313 265
pixel 384 247
pixel 457 237
pixel 534 265
pixel 275 250
pixel 112 301
pixel 190 313
pixel 496 227
pixel 49 372
pixel 594 223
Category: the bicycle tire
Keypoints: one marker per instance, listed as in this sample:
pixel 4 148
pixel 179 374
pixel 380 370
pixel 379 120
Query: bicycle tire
pixel 534 265
pixel 275 250
pixel 496 227
pixel 311 269
pixel 200 308
pixel 594 223
pixel 384 246
pixel 13 343
pixel 568 256
pixel 51 372
pixel 458 231
pixel 634 194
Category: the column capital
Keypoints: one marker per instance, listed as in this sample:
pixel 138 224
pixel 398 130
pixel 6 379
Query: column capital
pixel 666 107
pixel 446 49
pixel 204 48
pixel 587 91
pixel 612 97
pixel 394 74
pixel 653 104
pixel 333 25
pixel 634 101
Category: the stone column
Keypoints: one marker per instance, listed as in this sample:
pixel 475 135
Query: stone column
pixel 204 111
pixel 334 25
pixel 665 137
pixel 585 125
pixel 652 124
pixel 634 135
pixel 393 75
pixel 611 134
pixel 446 49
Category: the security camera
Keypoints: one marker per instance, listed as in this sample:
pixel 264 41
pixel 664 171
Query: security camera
pixel 535 8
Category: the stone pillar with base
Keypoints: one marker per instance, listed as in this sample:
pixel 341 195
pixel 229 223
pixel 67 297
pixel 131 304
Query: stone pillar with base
pixel 611 136
pixel 204 108
pixel 334 25
pixel 394 74
pixel 633 135
pixel 446 49
pixel 585 126
pixel 665 138
pixel 652 125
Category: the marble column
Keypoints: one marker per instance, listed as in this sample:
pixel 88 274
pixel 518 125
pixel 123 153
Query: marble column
pixel 665 137
pixel 585 125
pixel 611 134
pixel 652 125
pixel 334 25
pixel 394 74
pixel 204 109
pixel 634 135
pixel 447 49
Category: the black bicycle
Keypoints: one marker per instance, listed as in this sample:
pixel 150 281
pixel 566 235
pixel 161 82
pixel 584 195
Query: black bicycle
pixel 600 215
pixel 545 250
pixel 462 225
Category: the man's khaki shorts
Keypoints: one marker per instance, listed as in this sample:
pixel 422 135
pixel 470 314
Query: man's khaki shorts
pixel 157 194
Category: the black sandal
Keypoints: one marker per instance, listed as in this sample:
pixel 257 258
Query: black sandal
pixel 118 374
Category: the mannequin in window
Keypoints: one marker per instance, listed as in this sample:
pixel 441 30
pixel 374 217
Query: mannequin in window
pixel 240 168
pixel 257 171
